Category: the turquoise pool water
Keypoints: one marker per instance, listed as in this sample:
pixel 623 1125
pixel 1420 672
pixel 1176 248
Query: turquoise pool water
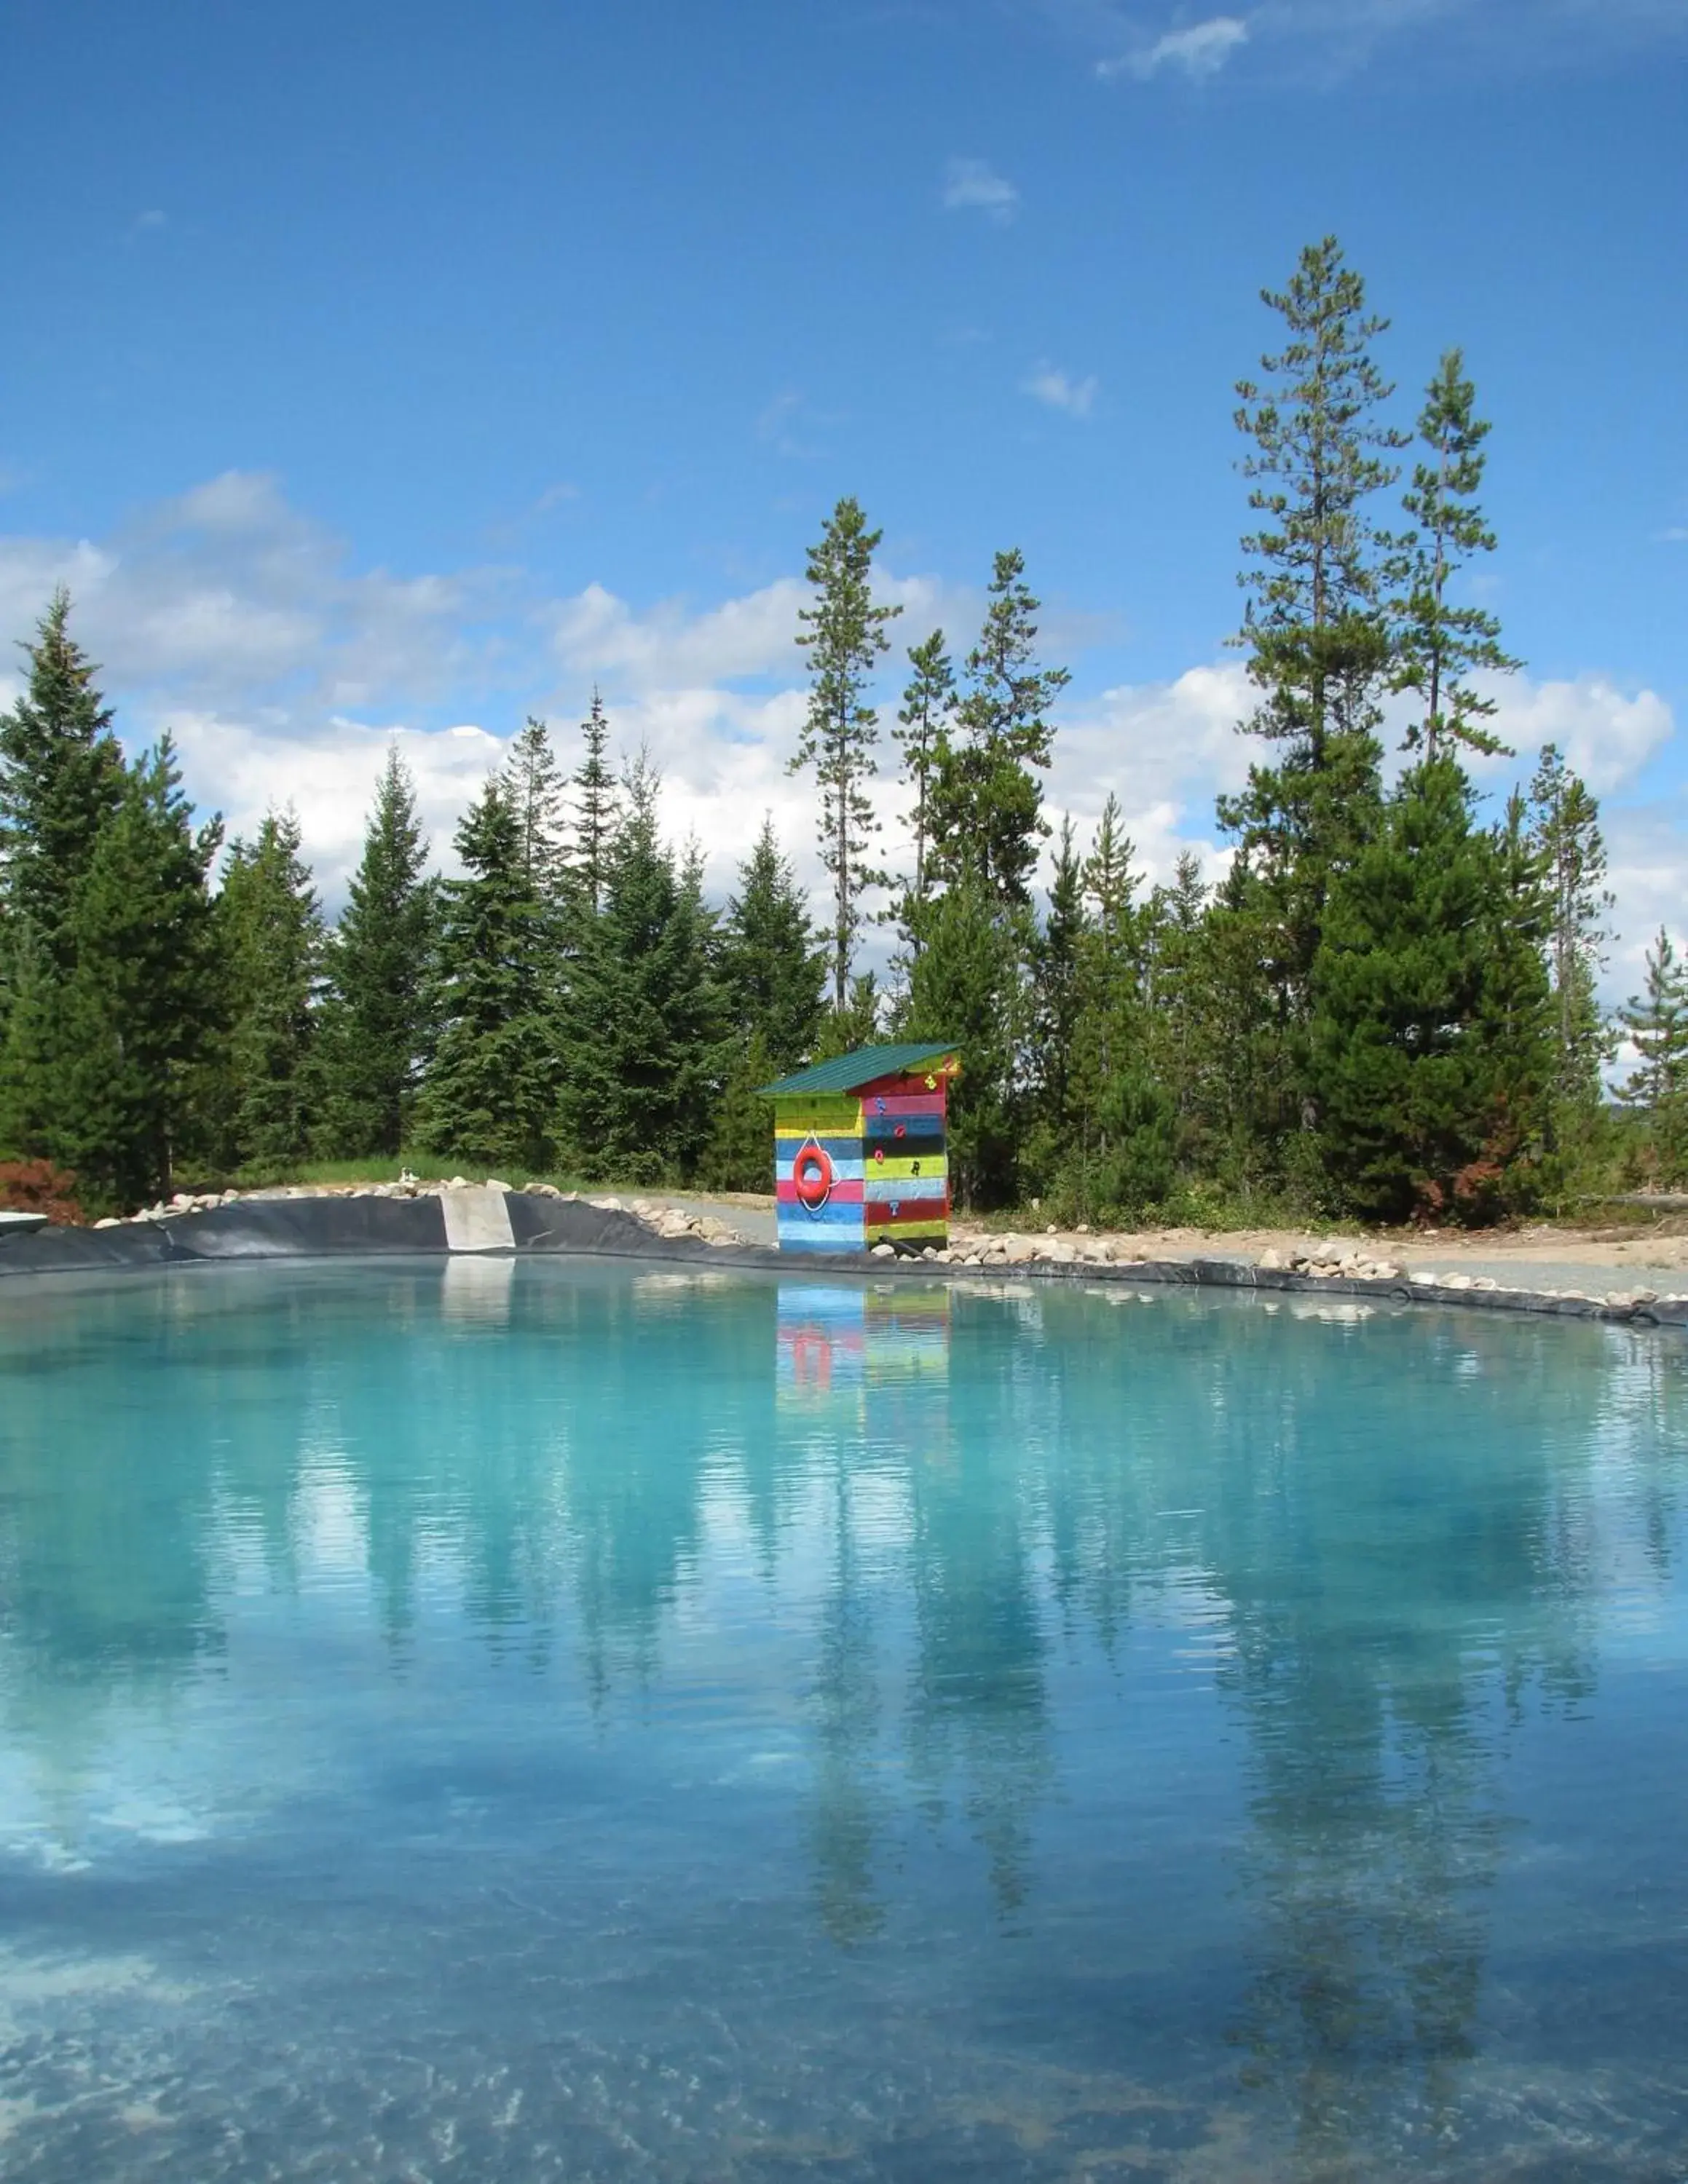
pixel 493 1722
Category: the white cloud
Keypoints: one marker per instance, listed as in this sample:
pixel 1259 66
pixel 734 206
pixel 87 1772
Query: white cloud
pixel 973 186
pixel 1058 391
pixel 1607 736
pixel 1201 49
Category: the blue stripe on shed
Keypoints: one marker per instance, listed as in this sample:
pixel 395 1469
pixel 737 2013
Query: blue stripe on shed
pixel 883 1190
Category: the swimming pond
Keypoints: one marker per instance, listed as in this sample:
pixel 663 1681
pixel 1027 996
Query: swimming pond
pixel 492 1720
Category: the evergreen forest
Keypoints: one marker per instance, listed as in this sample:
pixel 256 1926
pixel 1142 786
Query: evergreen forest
pixel 1387 1007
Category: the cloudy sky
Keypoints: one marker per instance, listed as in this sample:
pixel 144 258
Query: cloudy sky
pixel 377 371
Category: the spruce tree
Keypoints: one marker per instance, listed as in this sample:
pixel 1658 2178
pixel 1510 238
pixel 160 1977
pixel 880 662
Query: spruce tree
pixel 488 1092
pixel 1055 963
pixel 271 940
pixel 644 1015
pixel 772 977
pixel 533 781
pixel 923 724
pixel 968 985
pixel 1430 1030
pixel 141 1003
pixel 1441 644
pixel 378 968
pixel 1565 828
pixel 61 782
pixel 771 972
pixel 844 633
pixel 987 801
pixel 1122 1119
pixel 595 810
pixel 1656 1021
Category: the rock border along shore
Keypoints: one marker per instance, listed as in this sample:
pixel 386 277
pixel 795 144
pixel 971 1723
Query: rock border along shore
pixel 413 1218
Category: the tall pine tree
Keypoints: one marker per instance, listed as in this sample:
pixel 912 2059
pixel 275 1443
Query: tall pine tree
pixel 595 810
pixel 1318 645
pixel 987 801
pixel 378 971
pixel 844 633
pixel 1656 1021
pixel 1441 644
pixel 1565 819
pixel 923 724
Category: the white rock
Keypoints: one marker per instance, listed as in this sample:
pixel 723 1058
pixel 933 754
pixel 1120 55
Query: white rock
pixel 883 1251
pixel 1270 1260
pixel 1050 1230
pixel 110 1221
pixel 493 1184
pixel 1019 1250
pixel 1426 1277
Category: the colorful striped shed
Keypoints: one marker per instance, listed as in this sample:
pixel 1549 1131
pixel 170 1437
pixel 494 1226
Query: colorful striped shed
pixel 859 1152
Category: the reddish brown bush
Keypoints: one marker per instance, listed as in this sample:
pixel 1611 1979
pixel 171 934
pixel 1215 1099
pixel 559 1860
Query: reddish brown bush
pixel 35 1186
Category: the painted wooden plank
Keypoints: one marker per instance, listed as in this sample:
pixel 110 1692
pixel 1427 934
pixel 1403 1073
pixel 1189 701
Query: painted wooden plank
pixel 901 1105
pixel 908 1189
pixel 846 1190
pixel 910 1232
pixel 821 1112
pixel 850 1170
pixel 906 1170
pixel 893 1211
pixel 920 1133
pixel 824 1240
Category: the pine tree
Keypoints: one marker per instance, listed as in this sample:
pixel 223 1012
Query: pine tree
pixel 1565 828
pixel 987 801
pixel 534 783
pixel 1656 1021
pixel 378 968
pixel 1318 645
pixel 271 940
pixel 487 1096
pixel 644 1015
pixel 844 633
pixel 1429 1036
pixel 595 810
pixel 923 724
pixel 1442 645
pixel 61 783
pixel 140 1007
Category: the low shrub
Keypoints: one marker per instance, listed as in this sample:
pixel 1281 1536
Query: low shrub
pixel 35 1186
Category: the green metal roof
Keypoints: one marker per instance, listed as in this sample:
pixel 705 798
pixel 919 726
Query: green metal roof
pixel 849 1073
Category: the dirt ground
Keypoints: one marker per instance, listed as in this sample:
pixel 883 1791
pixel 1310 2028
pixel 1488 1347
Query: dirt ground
pixel 1534 1255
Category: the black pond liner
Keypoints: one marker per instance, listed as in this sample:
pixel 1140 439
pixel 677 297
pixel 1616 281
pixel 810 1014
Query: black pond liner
pixel 259 1228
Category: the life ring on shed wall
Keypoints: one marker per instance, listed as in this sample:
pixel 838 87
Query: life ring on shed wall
pixel 811 1175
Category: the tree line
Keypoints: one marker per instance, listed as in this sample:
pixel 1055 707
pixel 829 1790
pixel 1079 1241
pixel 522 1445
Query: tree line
pixel 1387 1006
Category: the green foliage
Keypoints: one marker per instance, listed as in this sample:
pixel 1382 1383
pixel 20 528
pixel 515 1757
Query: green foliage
pixel 772 973
pixel 490 1090
pixel 969 986
pixel 771 977
pixel 645 1016
pixel 1429 1040
pixel 375 1018
pixel 533 781
pixel 844 633
pixel 270 937
pixel 985 802
pixel 1656 1021
pixel 1440 645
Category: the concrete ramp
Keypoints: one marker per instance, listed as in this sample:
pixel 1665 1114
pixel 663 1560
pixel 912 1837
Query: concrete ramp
pixel 476 1220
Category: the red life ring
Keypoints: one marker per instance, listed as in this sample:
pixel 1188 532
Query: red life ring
pixel 811 1174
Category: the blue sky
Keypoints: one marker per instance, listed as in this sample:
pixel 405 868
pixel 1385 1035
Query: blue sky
pixel 376 369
